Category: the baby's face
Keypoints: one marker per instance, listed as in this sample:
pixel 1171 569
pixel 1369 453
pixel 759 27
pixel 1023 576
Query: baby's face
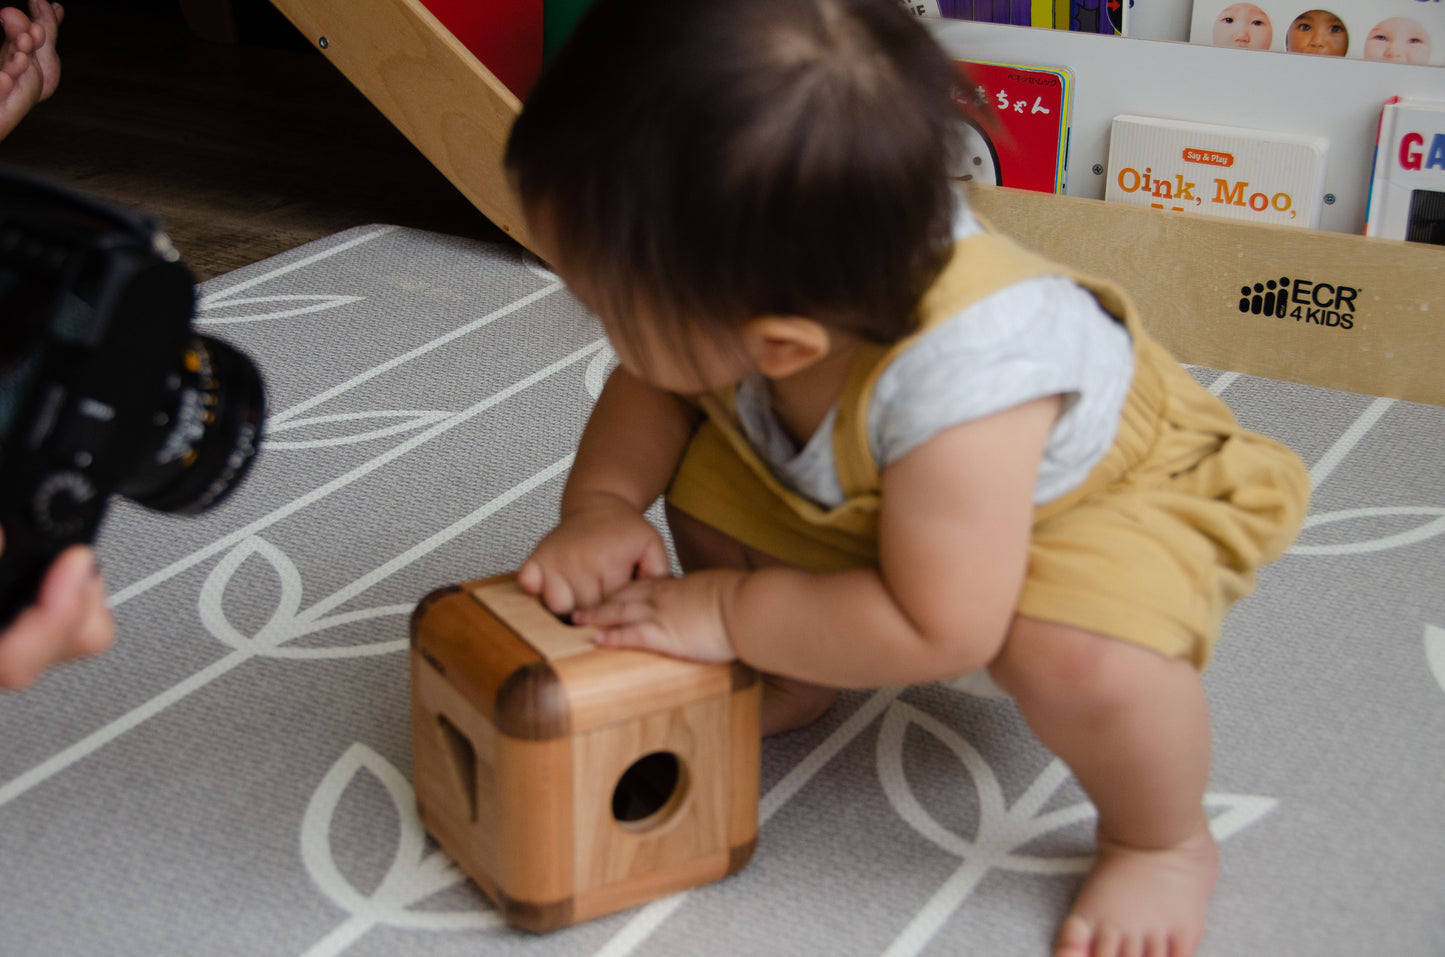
pixel 643 345
pixel 1319 32
pixel 1398 40
pixel 1243 25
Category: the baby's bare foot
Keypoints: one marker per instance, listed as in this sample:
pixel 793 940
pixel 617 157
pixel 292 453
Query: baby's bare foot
pixel 47 16
pixel 1144 903
pixel 20 80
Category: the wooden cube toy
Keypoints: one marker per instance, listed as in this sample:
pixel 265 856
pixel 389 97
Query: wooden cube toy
pixel 570 781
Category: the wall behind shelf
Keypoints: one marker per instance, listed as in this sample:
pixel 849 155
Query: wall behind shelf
pixel 1325 96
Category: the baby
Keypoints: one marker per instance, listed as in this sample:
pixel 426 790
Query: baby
pixel 1243 25
pixel 1398 40
pixel 1319 33
pixel 895 446
pixel 29 64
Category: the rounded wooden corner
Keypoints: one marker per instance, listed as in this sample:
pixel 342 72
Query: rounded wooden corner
pixel 534 917
pixel 426 604
pixel 531 704
pixel 744 676
pixel 739 855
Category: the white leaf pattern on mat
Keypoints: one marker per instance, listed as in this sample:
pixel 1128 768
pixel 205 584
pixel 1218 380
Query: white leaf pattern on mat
pixel 288 621
pixel 411 419
pixel 598 369
pixel 412 877
pixel 228 311
pixel 1002 830
pixel 1419 533
pixel 1435 652
pixel 979 684
pixel 538 268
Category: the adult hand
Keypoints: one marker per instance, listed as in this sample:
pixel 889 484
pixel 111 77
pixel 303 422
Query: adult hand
pixel 69 620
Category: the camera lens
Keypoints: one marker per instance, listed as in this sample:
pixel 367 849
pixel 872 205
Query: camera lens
pixel 205 434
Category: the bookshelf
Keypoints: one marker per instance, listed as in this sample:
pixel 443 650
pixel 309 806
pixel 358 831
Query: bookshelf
pixel 1335 98
pixel 1186 272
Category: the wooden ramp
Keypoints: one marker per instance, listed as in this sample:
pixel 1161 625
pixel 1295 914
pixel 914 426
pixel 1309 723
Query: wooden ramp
pixel 429 85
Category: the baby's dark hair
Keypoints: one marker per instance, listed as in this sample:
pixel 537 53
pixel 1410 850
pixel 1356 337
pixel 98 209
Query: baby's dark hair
pixel 724 159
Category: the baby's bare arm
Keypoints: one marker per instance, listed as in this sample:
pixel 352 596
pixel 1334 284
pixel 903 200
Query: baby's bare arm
pixel 627 455
pixel 954 535
pixel 631 446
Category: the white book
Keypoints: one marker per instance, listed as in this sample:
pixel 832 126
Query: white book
pixel 1158 19
pixel 1228 171
pixel 1407 189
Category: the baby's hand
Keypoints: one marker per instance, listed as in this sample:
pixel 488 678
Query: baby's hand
pixel 593 551
pixel 682 617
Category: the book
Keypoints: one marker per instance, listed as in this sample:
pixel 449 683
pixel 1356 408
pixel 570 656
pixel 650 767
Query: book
pixel 1016 130
pixel 1014 12
pixel 1096 16
pixel 1396 31
pixel 1407 185
pixel 1091 16
pixel 1233 172
pixel 1158 19
pixel 506 38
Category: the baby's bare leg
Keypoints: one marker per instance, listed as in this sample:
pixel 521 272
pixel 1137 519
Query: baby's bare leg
pixel 787 703
pixel 1133 726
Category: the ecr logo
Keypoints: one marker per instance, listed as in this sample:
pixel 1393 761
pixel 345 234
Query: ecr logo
pixel 1313 303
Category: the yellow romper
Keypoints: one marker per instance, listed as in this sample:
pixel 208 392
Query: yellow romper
pixel 1153 547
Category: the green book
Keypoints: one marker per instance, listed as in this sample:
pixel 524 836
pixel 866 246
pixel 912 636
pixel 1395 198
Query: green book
pixel 558 18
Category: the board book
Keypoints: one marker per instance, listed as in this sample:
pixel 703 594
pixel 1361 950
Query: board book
pixel 1017 124
pixel 1234 172
pixel 1407 189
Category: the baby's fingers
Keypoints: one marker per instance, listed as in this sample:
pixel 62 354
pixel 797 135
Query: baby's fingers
pixel 654 563
pixel 644 635
pixel 639 637
pixel 549 585
pixel 531 577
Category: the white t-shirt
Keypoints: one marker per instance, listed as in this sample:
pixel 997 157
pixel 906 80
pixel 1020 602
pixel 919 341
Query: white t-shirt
pixel 1036 338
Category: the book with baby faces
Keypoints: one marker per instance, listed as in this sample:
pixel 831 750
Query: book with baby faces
pixel 1394 31
pixel 1015 128
pixel 1233 172
pixel 1407 188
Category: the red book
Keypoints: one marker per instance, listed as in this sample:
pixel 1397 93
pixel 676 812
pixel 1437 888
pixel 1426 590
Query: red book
pixel 506 37
pixel 1018 124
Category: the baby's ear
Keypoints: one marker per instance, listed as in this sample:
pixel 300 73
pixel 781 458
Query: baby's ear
pixel 782 345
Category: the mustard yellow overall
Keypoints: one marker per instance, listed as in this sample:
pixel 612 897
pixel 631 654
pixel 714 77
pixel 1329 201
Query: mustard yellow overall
pixel 1156 544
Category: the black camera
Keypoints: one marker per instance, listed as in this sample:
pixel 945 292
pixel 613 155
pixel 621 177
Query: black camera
pixel 104 388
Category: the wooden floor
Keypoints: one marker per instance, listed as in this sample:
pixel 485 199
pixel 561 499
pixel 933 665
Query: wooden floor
pixel 242 149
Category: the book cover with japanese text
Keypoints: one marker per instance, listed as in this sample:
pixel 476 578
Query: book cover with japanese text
pixel 1407 189
pixel 1393 31
pixel 1228 171
pixel 1018 124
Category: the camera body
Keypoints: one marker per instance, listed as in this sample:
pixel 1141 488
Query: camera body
pixel 104 388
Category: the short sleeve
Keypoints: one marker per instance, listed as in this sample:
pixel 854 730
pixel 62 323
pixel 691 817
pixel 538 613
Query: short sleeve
pixel 1040 337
